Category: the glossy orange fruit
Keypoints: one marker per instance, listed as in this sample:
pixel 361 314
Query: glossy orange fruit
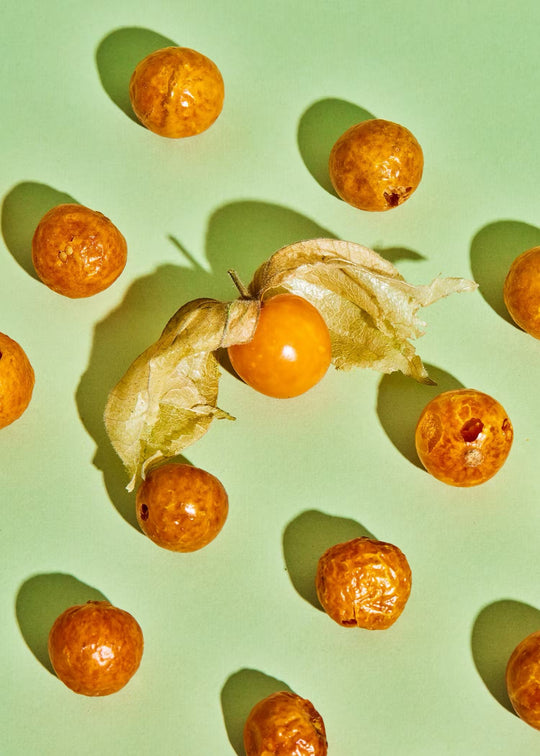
pixel 181 507
pixel 77 252
pixel 284 724
pixel 523 679
pixel 176 92
pixel 522 291
pixel 376 165
pixel 363 583
pixel 95 648
pixel 463 437
pixel 16 380
pixel 290 351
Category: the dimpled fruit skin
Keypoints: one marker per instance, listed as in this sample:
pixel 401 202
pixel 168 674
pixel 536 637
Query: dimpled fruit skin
pixel 363 583
pixel 463 437
pixel 376 165
pixel 523 679
pixel 176 92
pixel 181 507
pixel 95 648
pixel 284 724
pixel 522 291
pixel 77 252
pixel 16 380
pixel 290 351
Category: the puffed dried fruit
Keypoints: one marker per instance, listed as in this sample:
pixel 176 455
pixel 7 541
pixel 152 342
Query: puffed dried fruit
pixel 523 679
pixel 16 380
pixel 522 291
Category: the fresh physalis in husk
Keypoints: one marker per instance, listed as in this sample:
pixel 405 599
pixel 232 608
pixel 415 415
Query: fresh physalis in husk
pixel 168 397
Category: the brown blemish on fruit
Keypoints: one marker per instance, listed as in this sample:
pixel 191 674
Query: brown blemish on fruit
pixel 392 198
pixel 144 512
pixel 472 429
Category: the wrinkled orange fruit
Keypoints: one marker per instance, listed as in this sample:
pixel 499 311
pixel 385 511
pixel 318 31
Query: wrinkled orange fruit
pixel 95 648
pixel 284 724
pixel 363 583
pixel 77 252
pixel 376 165
pixel 522 291
pixel 290 351
pixel 16 380
pixel 463 437
pixel 181 507
pixel 176 92
pixel 523 679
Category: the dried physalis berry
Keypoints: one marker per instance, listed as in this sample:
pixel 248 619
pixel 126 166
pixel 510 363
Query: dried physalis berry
pixel 522 291
pixel 284 724
pixel 463 437
pixel 16 380
pixel 523 679
pixel 181 507
pixel 363 583
pixel 77 252
pixel 376 165
pixel 176 92
pixel 95 648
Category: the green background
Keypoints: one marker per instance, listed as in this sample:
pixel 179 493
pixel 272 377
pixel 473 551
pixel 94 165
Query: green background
pixel 237 620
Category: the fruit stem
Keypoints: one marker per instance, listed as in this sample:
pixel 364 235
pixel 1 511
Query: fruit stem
pixel 244 292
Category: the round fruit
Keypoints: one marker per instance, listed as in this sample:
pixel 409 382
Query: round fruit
pixel 284 724
pixel 95 648
pixel 181 507
pixel 176 92
pixel 290 351
pixel 16 380
pixel 523 679
pixel 363 583
pixel 376 165
pixel 77 252
pixel 463 437
pixel 522 291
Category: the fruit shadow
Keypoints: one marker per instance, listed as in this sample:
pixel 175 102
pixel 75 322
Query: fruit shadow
pixel 239 695
pixel 117 56
pixel 401 399
pixel 40 600
pixel 319 128
pixel 493 250
pixel 497 630
pixel 22 209
pixel 306 538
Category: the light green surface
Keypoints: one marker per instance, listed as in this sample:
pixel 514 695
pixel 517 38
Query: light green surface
pixel 231 623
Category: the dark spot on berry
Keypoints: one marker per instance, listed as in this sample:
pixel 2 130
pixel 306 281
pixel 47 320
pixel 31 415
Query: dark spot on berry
pixel 0 355
pixel 144 512
pixel 392 198
pixel 348 623
pixel 471 429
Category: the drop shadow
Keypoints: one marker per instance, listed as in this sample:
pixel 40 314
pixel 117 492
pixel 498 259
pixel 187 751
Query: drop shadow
pixel 22 209
pixel 306 538
pixel 497 630
pixel 400 401
pixel 117 56
pixel 396 254
pixel 40 600
pixel 493 250
pixel 319 128
pixel 239 695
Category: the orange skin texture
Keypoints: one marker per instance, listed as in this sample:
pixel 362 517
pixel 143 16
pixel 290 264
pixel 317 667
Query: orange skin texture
pixel 522 291
pixel 95 648
pixel 77 252
pixel 523 679
pixel 16 380
pixel 290 351
pixel 284 724
pixel 176 92
pixel 463 437
pixel 363 583
pixel 181 507
pixel 376 165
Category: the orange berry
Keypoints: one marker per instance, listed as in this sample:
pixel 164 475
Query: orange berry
pixel 95 648
pixel 16 380
pixel 285 724
pixel 176 92
pixel 290 351
pixel 77 252
pixel 522 291
pixel 523 679
pixel 181 507
pixel 376 165
pixel 363 583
